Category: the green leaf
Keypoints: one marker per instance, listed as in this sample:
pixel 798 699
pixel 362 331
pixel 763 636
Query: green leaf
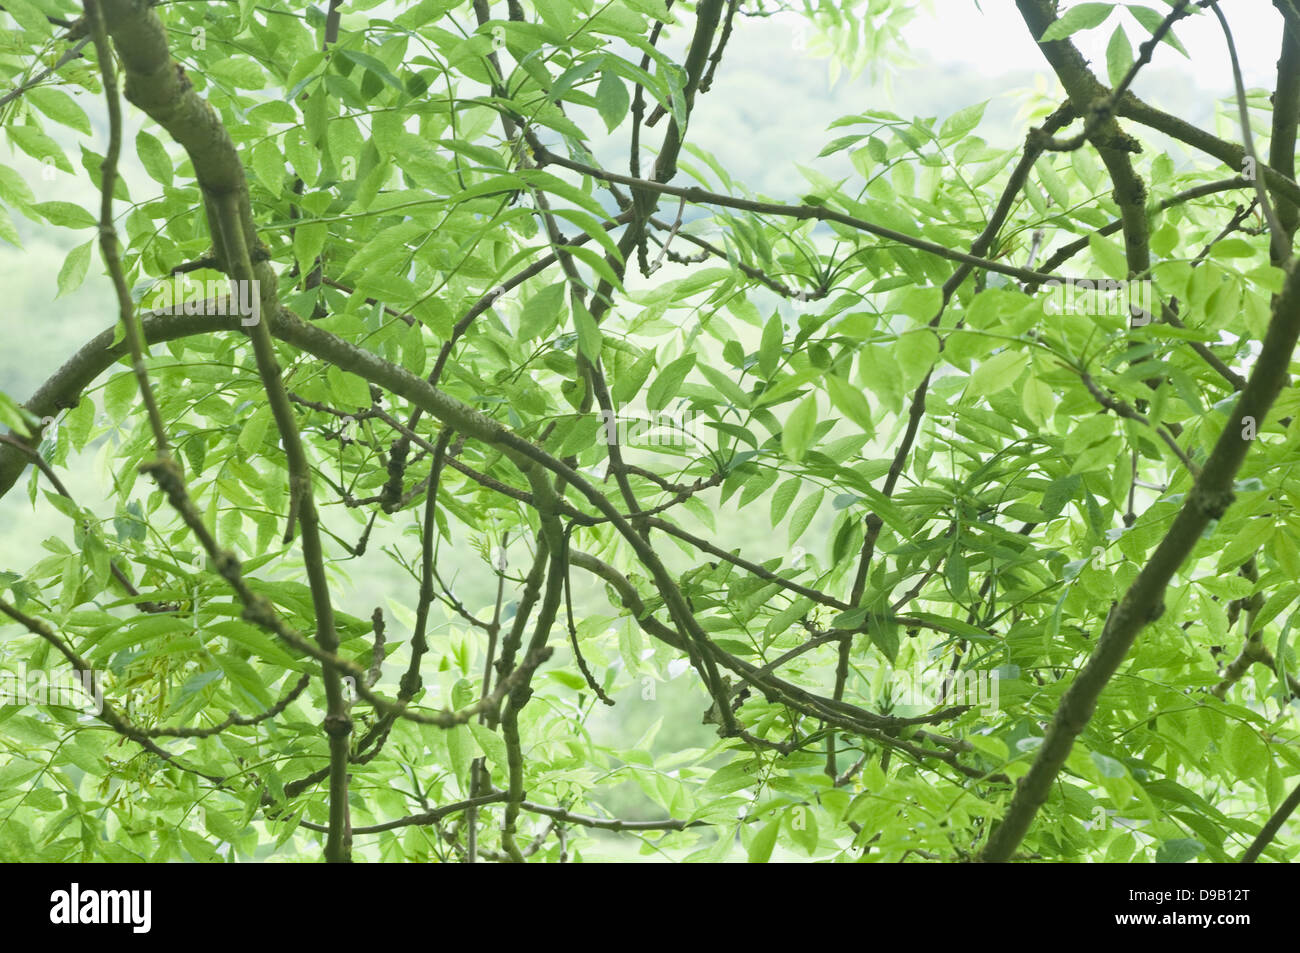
pixel 590 339
pixel 963 122
pixel 1039 400
pixel 65 214
pixel 350 391
pixel 1083 16
pixel 841 143
pixel 883 633
pixel 1151 19
pixel 1052 182
pixel 1164 239
pixel 799 427
pixel 39 146
pixel 253 432
pixel 1109 256
pixel 629 384
pixel 851 402
pixel 957 573
pixel 59 106
pixel 915 353
pixel 13 417
pixel 668 384
pixel 542 312
pixel 308 240
pixel 782 498
pixel 879 372
pixel 731 777
pixel 571 680
pixel 7 230
pixel 1178 851
pixel 13 188
pixel 73 272
pixel 769 350
pixel 725 386
pixel 238 71
pixel 998 372
pixel 1247 754
pixel 220 826
pixel 1119 56
pixel 268 166
pixel 652 8
pixel 803 514
pixel 462 749
pixel 154 157
pixel 245 676
pixel 374 65
pixel 29 16
pixel 760 848
pixel 1232 248
pixel 571 77
pixel 493 744
pixel 319 109
pixel 612 99
pixel 1108 766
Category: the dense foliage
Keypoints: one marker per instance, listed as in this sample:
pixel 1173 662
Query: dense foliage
pixel 963 558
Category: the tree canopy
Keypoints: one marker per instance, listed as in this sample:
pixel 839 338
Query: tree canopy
pixel 482 472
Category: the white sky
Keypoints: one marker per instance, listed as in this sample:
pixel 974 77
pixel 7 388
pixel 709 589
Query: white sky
pixel 992 39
